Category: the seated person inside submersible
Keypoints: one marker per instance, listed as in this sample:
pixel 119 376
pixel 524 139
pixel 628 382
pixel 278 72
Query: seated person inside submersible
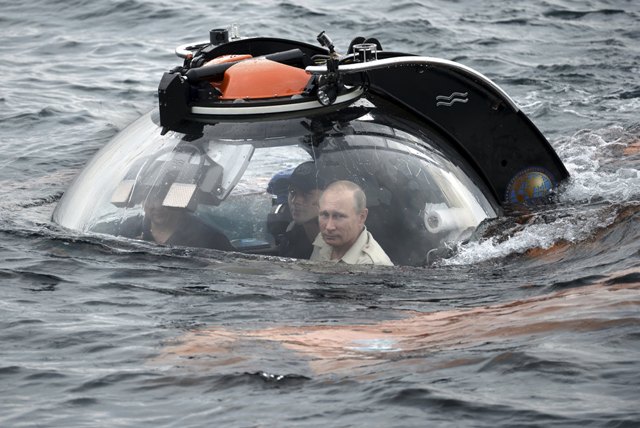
pixel 160 220
pixel 176 226
pixel 343 235
pixel 303 192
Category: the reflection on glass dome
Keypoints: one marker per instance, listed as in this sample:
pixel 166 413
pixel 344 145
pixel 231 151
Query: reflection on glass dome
pixel 229 185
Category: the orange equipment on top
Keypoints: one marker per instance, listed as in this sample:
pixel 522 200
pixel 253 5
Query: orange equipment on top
pixel 258 78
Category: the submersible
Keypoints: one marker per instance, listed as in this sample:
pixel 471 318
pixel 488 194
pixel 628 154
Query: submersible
pixel 436 146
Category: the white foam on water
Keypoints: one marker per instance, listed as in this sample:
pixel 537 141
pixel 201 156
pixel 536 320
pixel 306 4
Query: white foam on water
pixel 600 178
pixel 572 229
pixel 596 162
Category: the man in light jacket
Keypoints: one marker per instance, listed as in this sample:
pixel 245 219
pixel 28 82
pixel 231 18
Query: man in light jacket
pixel 343 236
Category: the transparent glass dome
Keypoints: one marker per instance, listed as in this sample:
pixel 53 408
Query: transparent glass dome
pixel 224 185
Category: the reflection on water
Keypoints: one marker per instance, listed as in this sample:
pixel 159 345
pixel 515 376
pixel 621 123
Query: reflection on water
pixel 613 303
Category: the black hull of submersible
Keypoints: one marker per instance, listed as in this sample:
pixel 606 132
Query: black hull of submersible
pixel 483 124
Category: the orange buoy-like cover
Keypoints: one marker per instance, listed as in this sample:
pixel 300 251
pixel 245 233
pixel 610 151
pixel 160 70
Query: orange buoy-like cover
pixel 262 78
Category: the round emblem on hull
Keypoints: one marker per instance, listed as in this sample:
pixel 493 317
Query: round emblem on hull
pixel 530 186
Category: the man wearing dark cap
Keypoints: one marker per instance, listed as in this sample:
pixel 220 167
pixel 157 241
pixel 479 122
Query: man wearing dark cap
pixel 305 188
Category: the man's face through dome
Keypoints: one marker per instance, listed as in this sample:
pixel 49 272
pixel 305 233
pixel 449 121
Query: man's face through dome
pixel 303 204
pixel 340 221
pixel 305 189
pixel 157 214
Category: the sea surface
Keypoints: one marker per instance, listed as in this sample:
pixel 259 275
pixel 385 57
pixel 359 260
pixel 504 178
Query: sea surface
pixel 535 324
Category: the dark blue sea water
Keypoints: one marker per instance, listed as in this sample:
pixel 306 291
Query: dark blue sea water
pixel 536 324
